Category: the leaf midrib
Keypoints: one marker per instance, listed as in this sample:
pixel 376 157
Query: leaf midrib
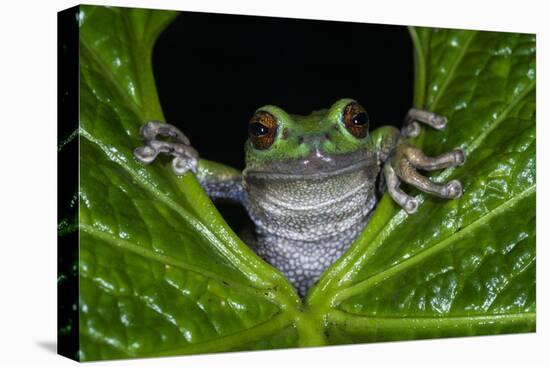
pixel 490 128
pixel 122 93
pixel 447 78
pixel 228 342
pixel 399 216
pixel 196 224
pixel 201 229
pixel 358 321
pixel 477 142
pixel 162 259
pixel 377 278
pixel 233 256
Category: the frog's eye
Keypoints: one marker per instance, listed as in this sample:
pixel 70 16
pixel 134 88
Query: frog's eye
pixel 356 120
pixel 262 129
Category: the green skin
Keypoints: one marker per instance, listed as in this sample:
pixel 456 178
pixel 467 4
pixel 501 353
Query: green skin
pixel 317 123
pixel 289 151
pixel 311 192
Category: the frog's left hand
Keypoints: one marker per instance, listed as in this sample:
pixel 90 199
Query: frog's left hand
pixel 185 156
pixel 403 162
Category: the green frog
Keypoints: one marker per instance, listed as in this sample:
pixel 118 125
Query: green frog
pixel 311 182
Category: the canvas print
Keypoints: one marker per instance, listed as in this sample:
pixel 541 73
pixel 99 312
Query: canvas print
pixel 233 183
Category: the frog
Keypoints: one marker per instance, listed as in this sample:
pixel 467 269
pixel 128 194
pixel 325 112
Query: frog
pixel 311 182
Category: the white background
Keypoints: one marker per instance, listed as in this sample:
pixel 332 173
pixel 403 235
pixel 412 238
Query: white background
pixel 28 182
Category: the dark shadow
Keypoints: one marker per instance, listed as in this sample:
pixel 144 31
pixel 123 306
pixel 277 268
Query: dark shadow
pixel 48 345
pixel 214 70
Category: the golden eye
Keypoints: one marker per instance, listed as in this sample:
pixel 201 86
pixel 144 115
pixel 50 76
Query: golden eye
pixel 356 120
pixel 262 129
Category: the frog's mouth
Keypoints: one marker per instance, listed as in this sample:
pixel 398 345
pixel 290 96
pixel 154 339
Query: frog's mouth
pixel 316 165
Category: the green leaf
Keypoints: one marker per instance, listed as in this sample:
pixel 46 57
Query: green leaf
pixel 459 267
pixel 161 273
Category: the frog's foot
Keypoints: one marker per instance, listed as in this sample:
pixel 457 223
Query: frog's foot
pixel 412 128
pixel 177 145
pixel 402 167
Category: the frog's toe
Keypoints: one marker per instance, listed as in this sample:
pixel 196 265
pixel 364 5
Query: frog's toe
pixel 454 189
pixel 460 156
pixel 174 143
pixel 182 165
pixel 438 122
pixel 145 154
pixel 419 160
pixel 411 130
pixel 411 205
pixel 407 202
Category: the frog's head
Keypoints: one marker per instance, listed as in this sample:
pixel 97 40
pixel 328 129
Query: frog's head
pixel 321 143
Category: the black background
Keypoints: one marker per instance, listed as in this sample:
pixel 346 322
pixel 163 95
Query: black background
pixel 68 332
pixel 214 70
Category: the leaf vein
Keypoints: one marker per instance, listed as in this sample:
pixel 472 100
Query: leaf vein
pixel 151 255
pixel 358 322
pixel 199 227
pixel 452 70
pixel 107 72
pixel 432 250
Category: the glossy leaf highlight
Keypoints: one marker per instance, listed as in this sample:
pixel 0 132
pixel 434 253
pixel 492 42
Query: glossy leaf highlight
pixel 161 273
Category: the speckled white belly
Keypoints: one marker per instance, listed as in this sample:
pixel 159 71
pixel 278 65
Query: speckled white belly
pixel 303 224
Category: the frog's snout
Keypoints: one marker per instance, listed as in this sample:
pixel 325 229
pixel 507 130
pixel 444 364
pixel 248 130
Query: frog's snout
pixel 313 140
pixel 318 158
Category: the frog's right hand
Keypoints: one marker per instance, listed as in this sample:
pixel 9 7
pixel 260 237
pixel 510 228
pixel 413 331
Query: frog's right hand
pixel 177 145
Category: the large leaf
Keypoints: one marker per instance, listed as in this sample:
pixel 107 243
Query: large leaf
pixel 161 273
pixel 460 267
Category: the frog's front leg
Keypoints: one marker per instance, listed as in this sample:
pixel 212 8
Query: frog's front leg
pixel 401 161
pixel 185 156
pixel 412 128
pixel 219 181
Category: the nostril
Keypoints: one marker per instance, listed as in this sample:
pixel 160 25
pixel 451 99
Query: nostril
pixel 314 139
